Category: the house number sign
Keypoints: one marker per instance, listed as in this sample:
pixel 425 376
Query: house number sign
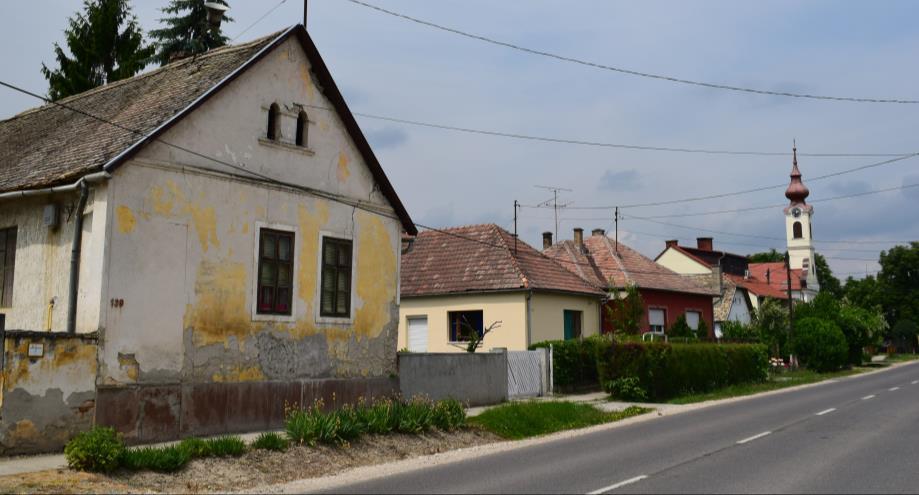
pixel 36 350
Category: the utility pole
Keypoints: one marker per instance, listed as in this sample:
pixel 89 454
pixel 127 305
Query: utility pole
pixel 554 201
pixel 305 6
pixel 791 302
pixel 616 219
pixel 516 205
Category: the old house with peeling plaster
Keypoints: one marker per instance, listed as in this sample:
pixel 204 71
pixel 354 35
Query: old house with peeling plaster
pixel 191 250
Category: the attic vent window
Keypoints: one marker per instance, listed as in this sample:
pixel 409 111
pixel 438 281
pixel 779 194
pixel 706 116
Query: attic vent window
pixel 302 127
pixel 274 122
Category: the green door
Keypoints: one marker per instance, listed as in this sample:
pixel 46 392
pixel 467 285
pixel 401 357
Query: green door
pixel 571 324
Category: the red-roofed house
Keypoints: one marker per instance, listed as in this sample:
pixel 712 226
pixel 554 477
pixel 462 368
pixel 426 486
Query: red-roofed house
pixel 667 295
pixel 463 279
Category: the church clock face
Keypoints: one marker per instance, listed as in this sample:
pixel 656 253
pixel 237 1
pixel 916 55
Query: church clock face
pixel 796 212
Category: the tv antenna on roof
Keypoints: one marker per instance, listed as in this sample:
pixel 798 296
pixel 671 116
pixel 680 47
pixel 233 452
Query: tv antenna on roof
pixel 554 202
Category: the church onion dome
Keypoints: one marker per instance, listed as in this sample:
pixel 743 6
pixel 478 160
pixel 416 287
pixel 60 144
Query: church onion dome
pixel 797 192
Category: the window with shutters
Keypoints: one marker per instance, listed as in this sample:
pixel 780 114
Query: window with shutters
pixel 336 278
pixel 657 319
pixel 275 272
pixel 7 265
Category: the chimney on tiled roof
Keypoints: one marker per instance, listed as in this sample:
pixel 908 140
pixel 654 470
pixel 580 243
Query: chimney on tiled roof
pixel 768 275
pixel 704 243
pixel 546 240
pixel 672 243
pixel 578 237
pixel 597 232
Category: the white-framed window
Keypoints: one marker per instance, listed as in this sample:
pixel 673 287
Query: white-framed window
pixel 692 319
pixel 657 319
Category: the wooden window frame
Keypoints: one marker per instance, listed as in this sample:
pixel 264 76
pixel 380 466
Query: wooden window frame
pixel 276 306
pixel 336 268
pixel 7 265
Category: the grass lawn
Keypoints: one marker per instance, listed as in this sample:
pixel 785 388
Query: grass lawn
pixel 899 358
pixel 529 419
pixel 775 382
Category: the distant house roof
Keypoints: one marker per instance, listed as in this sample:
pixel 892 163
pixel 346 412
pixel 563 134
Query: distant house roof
pixel 481 258
pixel 53 145
pixel 775 285
pixel 730 262
pixel 601 264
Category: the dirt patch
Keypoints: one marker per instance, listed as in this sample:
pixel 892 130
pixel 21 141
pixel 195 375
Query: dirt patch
pixel 255 468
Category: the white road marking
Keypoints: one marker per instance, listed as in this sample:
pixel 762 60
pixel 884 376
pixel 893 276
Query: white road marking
pixel 868 397
pixel 617 485
pixel 893 388
pixel 827 411
pixel 754 437
pixel 914 382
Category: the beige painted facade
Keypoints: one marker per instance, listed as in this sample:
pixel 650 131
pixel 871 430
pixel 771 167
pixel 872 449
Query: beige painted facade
pixel 170 258
pixel 526 318
pixel 682 264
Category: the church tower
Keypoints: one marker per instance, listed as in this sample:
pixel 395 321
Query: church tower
pixel 799 228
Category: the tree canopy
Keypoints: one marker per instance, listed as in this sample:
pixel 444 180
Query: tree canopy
pixel 186 31
pixel 105 43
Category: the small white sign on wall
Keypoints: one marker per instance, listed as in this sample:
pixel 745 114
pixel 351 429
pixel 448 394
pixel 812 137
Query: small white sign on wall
pixel 36 350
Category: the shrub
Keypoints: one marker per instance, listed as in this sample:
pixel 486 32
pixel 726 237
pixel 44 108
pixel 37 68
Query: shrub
pixel 195 447
pixel 627 388
pixel 681 329
pixel 160 459
pixel 378 417
pixel 703 331
pixel 574 362
pixel 270 441
pixel 228 446
pixel 663 371
pixel 99 449
pixel 736 331
pixel 449 415
pixel 820 345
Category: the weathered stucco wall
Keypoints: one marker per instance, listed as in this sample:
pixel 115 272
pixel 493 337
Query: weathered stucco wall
pixel 509 308
pixel 548 315
pixel 185 350
pixel 42 270
pixel 474 379
pixel 46 400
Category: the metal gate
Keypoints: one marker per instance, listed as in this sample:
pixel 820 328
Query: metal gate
pixel 527 373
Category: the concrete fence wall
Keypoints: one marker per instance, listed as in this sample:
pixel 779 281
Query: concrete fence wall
pixel 474 378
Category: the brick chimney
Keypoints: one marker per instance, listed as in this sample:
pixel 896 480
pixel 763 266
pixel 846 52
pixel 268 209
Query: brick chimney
pixel 598 232
pixel 578 237
pixel 704 243
pixel 546 240
pixel 672 243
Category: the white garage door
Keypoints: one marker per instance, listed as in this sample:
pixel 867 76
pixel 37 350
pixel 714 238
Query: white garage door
pixel 418 334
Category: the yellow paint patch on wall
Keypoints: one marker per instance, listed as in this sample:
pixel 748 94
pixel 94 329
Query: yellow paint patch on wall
pixel 205 220
pixel 310 224
pixel 125 219
pixel 239 374
pixel 221 309
pixel 343 171
pixel 24 430
pixel 162 205
pixel 174 201
pixel 376 276
pixel 307 83
pixel 245 227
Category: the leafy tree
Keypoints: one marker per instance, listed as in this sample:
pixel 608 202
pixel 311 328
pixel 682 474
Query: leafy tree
pixel 769 257
pixel 899 282
pixel 625 311
pixel 770 322
pixel 106 44
pixel 828 282
pixel 860 326
pixel 820 345
pixel 864 293
pixel 681 329
pixel 904 335
pixel 187 31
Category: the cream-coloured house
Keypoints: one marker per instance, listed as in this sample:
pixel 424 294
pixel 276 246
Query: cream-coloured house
pixel 238 248
pixel 466 279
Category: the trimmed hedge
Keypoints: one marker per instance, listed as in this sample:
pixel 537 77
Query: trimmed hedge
pixel 574 362
pixel 664 370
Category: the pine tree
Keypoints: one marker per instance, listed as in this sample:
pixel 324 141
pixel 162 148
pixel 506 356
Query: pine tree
pixel 188 33
pixel 107 45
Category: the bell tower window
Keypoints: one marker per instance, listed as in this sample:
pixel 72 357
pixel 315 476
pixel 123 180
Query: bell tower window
pixel 797 230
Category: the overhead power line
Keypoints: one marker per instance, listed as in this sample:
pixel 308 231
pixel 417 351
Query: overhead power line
pixel 596 65
pixel 583 142
pixel 266 14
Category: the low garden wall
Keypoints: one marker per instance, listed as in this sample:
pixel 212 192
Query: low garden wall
pixel 472 378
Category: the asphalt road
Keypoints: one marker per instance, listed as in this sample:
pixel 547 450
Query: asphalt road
pixel 858 435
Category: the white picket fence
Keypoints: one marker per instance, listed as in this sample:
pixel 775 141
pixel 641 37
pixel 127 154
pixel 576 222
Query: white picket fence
pixel 529 373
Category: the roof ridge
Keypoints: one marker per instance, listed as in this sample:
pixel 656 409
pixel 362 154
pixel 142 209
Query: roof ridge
pixel 121 82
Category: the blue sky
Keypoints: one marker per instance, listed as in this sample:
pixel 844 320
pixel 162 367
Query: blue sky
pixel 388 66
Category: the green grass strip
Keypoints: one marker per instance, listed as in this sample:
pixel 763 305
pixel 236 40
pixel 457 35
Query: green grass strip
pixel 775 382
pixel 529 419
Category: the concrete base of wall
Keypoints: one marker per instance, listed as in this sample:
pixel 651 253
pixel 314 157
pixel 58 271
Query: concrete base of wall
pixel 476 379
pixel 154 413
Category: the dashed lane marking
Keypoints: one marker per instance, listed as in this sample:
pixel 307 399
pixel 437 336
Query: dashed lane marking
pixel 617 485
pixel 891 389
pixel 754 437
pixel 826 411
pixel 868 397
